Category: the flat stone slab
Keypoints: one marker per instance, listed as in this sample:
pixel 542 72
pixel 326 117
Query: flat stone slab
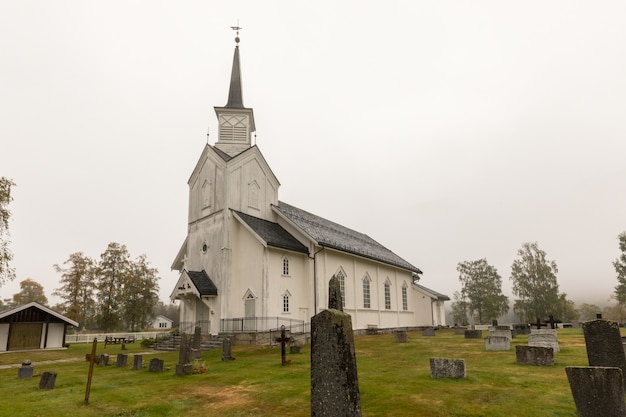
pixel 544 339
pixel 494 343
pixel 534 355
pixel 447 368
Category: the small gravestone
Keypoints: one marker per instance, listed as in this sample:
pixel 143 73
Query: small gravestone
pixel 428 332
pixel 26 370
pixel 544 338
pixel 460 330
pixel 473 334
pixel 598 391
pixel 96 358
pixel 401 336
pixel 47 381
pixel 226 350
pixel 156 365
pixel 494 343
pixel 334 378
pixel 604 344
pixel 534 355
pixel 104 359
pixel 184 366
pixel 506 332
pixel 137 362
pixel 295 349
pixel 521 328
pixel 447 368
pixel 122 360
pixel 196 348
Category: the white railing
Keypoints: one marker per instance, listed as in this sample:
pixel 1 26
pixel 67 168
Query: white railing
pixel 88 337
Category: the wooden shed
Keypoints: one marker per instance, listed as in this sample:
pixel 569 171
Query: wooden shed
pixel 32 326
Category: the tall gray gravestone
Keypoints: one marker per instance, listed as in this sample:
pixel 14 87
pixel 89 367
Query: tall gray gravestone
pixel 227 350
pixel 598 391
pixel 604 344
pixel 334 379
pixel 47 381
pixel 196 348
pixel 184 366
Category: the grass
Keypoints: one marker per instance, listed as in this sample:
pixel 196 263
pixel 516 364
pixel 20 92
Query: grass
pixel 394 380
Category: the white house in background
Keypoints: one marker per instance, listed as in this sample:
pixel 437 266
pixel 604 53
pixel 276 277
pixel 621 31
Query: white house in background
pixel 32 326
pixel 162 323
pixel 252 262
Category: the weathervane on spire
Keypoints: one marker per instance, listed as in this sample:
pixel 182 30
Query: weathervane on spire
pixel 237 28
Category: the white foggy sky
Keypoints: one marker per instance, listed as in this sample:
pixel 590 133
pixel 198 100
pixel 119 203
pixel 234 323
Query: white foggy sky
pixel 447 131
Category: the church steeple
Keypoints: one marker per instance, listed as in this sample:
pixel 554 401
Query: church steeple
pixel 236 122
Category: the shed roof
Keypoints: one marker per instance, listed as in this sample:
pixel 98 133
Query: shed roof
pixel 18 309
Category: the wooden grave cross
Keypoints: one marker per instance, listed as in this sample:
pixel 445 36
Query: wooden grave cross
pixel 283 339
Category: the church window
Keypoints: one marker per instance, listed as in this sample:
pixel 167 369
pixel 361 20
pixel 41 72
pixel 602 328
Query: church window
pixel 286 266
pixel 366 292
pixel 286 303
pixel 342 287
pixel 387 295
pixel 253 194
pixel 405 298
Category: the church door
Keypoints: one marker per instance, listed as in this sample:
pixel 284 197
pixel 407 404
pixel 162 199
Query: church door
pixel 249 323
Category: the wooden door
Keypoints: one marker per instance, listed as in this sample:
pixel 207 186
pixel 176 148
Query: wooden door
pixel 25 336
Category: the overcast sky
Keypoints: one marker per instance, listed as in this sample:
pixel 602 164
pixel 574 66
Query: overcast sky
pixel 445 130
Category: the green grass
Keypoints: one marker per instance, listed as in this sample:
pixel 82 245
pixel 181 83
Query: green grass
pixel 394 380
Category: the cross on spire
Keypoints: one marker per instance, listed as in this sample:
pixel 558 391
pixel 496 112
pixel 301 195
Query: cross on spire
pixel 237 29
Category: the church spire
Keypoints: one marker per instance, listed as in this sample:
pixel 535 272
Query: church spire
pixel 235 97
pixel 235 122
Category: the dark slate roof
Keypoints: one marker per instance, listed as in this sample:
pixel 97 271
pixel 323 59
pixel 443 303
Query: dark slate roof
pixel 226 157
pixel 438 295
pixel 203 283
pixel 273 233
pixel 339 237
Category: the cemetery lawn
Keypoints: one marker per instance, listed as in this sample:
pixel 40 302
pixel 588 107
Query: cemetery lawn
pixel 394 380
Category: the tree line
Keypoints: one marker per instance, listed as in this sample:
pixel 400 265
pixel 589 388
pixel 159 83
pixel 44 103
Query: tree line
pixel 534 283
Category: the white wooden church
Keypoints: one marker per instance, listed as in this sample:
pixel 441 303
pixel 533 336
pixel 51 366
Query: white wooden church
pixel 251 262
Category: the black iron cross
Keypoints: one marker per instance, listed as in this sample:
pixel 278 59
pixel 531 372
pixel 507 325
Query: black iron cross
pixel 538 323
pixel 283 339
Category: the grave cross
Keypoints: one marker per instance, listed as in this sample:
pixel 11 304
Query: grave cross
pixel 538 323
pixel 283 339
pixel 552 322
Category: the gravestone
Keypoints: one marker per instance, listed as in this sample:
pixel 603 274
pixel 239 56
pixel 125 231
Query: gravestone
pixel 473 334
pixel 460 330
pixel 521 328
pixel 334 377
pixel 47 381
pixel 401 336
pixel 598 391
pixel 184 366
pixel 428 332
pixel 283 340
pixel 226 350
pixel 96 358
pixel 495 343
pixel 604 344
pixel 156 365
pixel 447 368
pixel 544 338
pixel 196 348
pixel 137 362
pixel 122 360
pixel 534 355
pixel 104 359
pixel 26 370
pixel 295 349
pixel 506 332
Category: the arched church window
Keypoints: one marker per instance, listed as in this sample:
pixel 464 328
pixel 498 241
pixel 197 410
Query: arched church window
pixel 387 295
pixel 366 292
pixel 342 286
pixel 286 266
pixel 286 302
pixel 405 298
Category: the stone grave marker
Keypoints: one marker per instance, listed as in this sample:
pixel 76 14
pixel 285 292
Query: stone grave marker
pixel 534 355
pixel 544 338
pixel 604 344
pixel 104 359
pixel 460 329
pixel 156 365
pixel 428 332
pixel 473 334
pixel 184 366
pixel 401 336
pixel 26 370
pixel 47 381
pixel 137 362
pixel 598 391
pixel 447 368
pixel 295 348
pixel 122 360
pixel 226 350
pixel 495 343
pixel 334 378
pixel 196 349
